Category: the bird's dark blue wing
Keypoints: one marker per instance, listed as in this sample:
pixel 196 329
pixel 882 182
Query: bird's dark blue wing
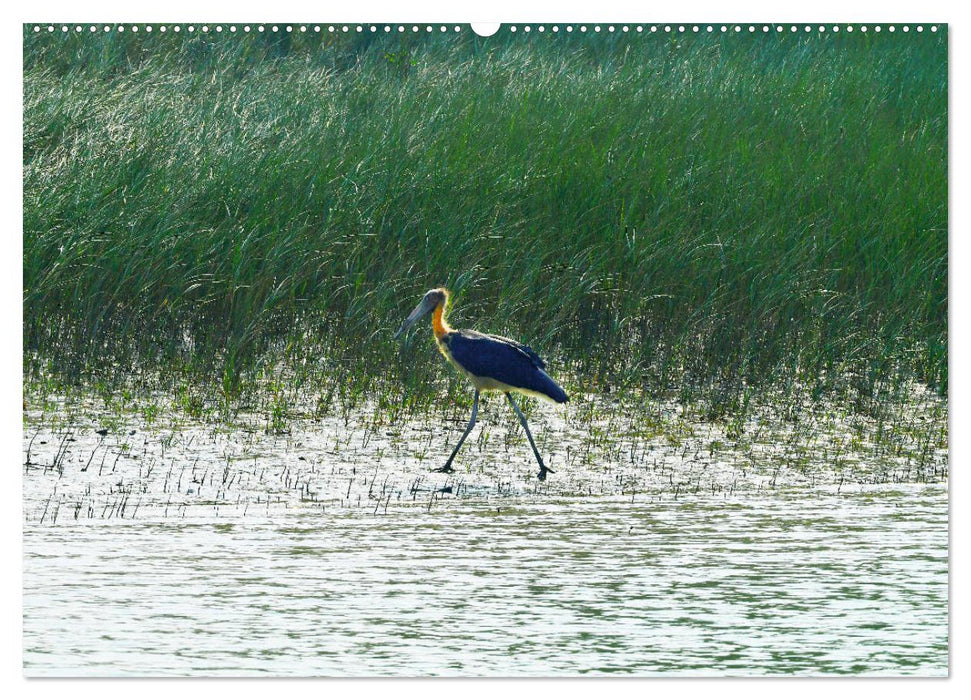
pixel 537 360
pixel 503 360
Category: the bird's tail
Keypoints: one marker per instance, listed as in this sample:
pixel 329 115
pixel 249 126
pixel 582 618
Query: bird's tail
pixel 551 389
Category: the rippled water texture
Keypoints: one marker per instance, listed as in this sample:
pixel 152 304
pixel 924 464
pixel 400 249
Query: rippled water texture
pixel 788 582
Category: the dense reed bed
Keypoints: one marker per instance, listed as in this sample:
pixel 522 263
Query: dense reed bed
pixel 697 214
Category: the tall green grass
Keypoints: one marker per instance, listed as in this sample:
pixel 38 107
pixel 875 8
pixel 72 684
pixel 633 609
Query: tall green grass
pixel 651 212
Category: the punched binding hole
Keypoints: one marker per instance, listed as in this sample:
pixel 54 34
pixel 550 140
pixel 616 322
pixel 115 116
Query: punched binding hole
pixel 485 29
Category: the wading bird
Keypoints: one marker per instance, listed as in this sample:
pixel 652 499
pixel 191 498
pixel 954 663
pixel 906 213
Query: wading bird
pixel 491 362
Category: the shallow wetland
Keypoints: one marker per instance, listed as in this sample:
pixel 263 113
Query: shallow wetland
pixel 662 544
pixel 730 248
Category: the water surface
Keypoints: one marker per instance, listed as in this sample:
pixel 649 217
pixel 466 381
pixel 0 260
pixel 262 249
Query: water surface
pixel 783 582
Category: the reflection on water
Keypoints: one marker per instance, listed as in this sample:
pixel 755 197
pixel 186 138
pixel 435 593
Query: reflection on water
pixel 809 583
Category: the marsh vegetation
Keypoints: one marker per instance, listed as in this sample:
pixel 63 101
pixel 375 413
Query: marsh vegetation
pixel 696 215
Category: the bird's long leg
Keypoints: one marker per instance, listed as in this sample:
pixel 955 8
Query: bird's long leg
pixel 475 409
pixel 543 469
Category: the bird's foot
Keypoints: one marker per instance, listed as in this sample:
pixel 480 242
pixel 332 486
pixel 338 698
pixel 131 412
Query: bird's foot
pixel 543 471
pixel 447 469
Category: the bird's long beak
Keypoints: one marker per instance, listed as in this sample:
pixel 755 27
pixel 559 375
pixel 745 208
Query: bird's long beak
pixel 423 309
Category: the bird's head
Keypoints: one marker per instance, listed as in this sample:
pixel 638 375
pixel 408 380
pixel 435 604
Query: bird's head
pixel 432 300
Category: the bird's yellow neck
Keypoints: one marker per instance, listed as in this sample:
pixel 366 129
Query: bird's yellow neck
pixel 439 325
